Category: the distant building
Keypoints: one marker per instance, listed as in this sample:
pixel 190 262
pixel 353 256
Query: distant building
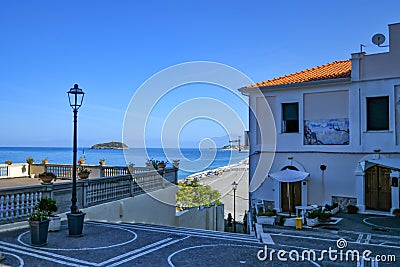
pixel 339 123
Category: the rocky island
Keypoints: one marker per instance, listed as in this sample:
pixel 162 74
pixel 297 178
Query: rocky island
pixel 110 145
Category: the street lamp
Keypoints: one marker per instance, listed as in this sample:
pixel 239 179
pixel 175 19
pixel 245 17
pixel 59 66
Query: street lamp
pixel 75 97
pixel 234 187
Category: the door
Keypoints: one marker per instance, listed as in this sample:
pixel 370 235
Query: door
pixel 290 196
pixel 378 195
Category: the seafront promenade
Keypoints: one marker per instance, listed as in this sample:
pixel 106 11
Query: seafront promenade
pixel 223 183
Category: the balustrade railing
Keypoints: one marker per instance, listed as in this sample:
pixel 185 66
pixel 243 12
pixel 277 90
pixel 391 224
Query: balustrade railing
pixel 3 171
pixel 61 171
pixel 102 190
pixel 147 181
pixel 114 171
pixel 18 203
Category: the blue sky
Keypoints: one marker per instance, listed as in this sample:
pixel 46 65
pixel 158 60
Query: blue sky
pixel 111 47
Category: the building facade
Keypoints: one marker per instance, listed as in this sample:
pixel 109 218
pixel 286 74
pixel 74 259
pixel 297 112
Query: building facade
pixel 339 124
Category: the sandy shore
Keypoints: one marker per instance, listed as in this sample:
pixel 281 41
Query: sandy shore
pixel 223 183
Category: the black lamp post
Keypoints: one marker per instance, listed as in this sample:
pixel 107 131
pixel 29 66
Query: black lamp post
pixel 75 97
pixel 234 187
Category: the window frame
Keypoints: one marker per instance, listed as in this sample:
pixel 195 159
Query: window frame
pixel 368 120
pixel 284 122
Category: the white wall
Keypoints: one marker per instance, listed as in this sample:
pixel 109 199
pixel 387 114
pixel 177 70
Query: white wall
pixel 18 170
pixel 208 218
pixel 143 208
pixel 339 175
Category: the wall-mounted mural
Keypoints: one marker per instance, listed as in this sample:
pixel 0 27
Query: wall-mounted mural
pixel 327 132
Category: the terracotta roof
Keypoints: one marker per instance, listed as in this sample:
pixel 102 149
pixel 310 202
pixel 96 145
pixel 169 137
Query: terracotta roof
pixel 334 70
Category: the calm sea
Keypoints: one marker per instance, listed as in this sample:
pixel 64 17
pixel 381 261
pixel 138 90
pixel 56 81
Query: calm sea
pixel 192 160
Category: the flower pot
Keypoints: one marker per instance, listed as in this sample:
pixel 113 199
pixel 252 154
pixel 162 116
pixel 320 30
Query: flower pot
pixel 270 220
pixel 32 175
pixel 161 165
pixel 39 230
pixel 45 161
pixel 75 224
pixel 102 163
pixel 83 175
pixel 55 223
pixel 46 179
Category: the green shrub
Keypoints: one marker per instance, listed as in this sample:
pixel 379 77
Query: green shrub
pixel 46 206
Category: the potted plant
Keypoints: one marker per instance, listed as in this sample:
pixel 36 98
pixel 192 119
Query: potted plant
pixel 8 162
pixel 267 217
pixel 81 161
pixel 397 213
pixel 351 209
pixel 312 217
pixel 75 223
pixel 333 209
pixel 47 177
pixel 175 163
pixel 39 227
pixel 45 161
pixel 102 161
pixel 158 164
pixel 324 216
pixel 30 161
pixel 84 173
pixel 48 206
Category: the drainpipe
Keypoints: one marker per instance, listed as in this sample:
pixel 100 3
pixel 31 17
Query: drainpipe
pixel 323 168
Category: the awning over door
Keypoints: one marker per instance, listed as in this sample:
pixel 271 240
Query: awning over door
pixel 392 163
pixel 289 176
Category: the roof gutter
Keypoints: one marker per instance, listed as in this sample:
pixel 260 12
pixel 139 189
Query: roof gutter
pixel 247 91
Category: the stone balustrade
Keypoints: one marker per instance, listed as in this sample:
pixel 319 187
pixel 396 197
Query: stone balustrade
pixel 17 203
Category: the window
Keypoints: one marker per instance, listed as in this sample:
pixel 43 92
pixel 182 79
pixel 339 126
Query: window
pixel 290 117
pixel 377 113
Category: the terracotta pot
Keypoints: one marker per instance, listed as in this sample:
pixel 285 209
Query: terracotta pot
pixel 83 175
pixel 46 179
pixel 102 163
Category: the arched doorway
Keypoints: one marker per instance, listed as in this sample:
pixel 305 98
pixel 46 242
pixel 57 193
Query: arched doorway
pixel 378 195
pixel 290 193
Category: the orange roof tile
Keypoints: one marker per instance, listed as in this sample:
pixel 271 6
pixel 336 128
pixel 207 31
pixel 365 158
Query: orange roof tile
pixel 334 70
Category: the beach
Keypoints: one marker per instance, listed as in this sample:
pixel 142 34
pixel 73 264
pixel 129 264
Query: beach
pixel 223 183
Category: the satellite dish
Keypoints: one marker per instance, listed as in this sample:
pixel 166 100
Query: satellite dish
pixel 378 39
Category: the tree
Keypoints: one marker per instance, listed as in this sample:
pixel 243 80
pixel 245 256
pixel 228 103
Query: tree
pixel 194 196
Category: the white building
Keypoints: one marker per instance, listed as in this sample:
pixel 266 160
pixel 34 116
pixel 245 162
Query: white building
pixel 339 123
